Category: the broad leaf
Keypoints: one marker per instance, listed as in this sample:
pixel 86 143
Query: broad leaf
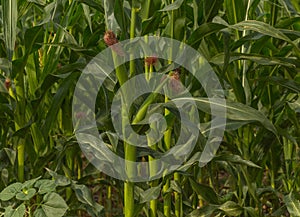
pixel 45 186
pixel 60 180
pixel 10 191
pixel 26 194
pixel 204 211
pixel 18 212
pixel 231 208
pixel 30 183
pixel 53 206
pixel 83 194
pixel 292 204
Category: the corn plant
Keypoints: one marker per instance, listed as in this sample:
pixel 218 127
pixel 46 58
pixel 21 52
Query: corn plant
pixel 252 47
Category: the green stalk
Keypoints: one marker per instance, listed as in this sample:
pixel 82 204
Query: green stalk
pixel 146 72
pixel 130 151
pixel 200 204
pixel 178 197
pixel 143 109
pixel 20 121
pixel 167 138
pixel 245 83
pixel 153 171
pixel 150 72
pixel 71 153
pixel 120 71
pixel 109 210
pixel 21 159
pixel 69 171
pixel 130 155
pixel 132 35
pixel 152 167
pixel 288 150
pixel 147 67
pixel 10 18
pixel 148 8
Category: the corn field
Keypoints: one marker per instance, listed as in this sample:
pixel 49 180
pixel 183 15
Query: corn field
pixel 250 49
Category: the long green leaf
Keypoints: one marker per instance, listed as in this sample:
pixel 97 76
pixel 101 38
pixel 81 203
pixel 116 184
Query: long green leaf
pixel 235 159
pixel 87 15
pixel 259 59
pixel 93 4
pixel 205 192
pixel 150 194
pixel 289 84
pixel 57 101
pixel 263 28
pixel 173 6
pixel 260 27
pixel 236 11
pixel 234 111
pixel 204 30
pixel 231 208
pixel 10 16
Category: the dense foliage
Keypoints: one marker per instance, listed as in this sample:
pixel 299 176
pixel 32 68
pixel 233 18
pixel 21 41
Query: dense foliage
pixel 253 47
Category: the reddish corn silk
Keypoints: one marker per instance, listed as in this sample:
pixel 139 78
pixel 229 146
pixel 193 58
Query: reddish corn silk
pixel 151 60
pixel 175 83
pixel 111 40
pixel 80 115
pixel 7 83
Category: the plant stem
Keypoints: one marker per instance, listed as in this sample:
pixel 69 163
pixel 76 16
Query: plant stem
pixel 21 159
pixel 153 171
pixel 130 150
pixel 167 194
pixel 109 210
pixel 132 35
pixel 178 197
pixel 167 135
pixel 130 155
pixel 152 166
pixel 148 8
pixel 20 121
pixel 143 109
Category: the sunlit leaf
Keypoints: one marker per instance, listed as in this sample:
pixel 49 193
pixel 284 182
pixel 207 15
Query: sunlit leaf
pixel 173 6
pixel 10 191
pixel 53 205
pixel 10 15
pixel 18 212
pixel 292 204
pixel 150 194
